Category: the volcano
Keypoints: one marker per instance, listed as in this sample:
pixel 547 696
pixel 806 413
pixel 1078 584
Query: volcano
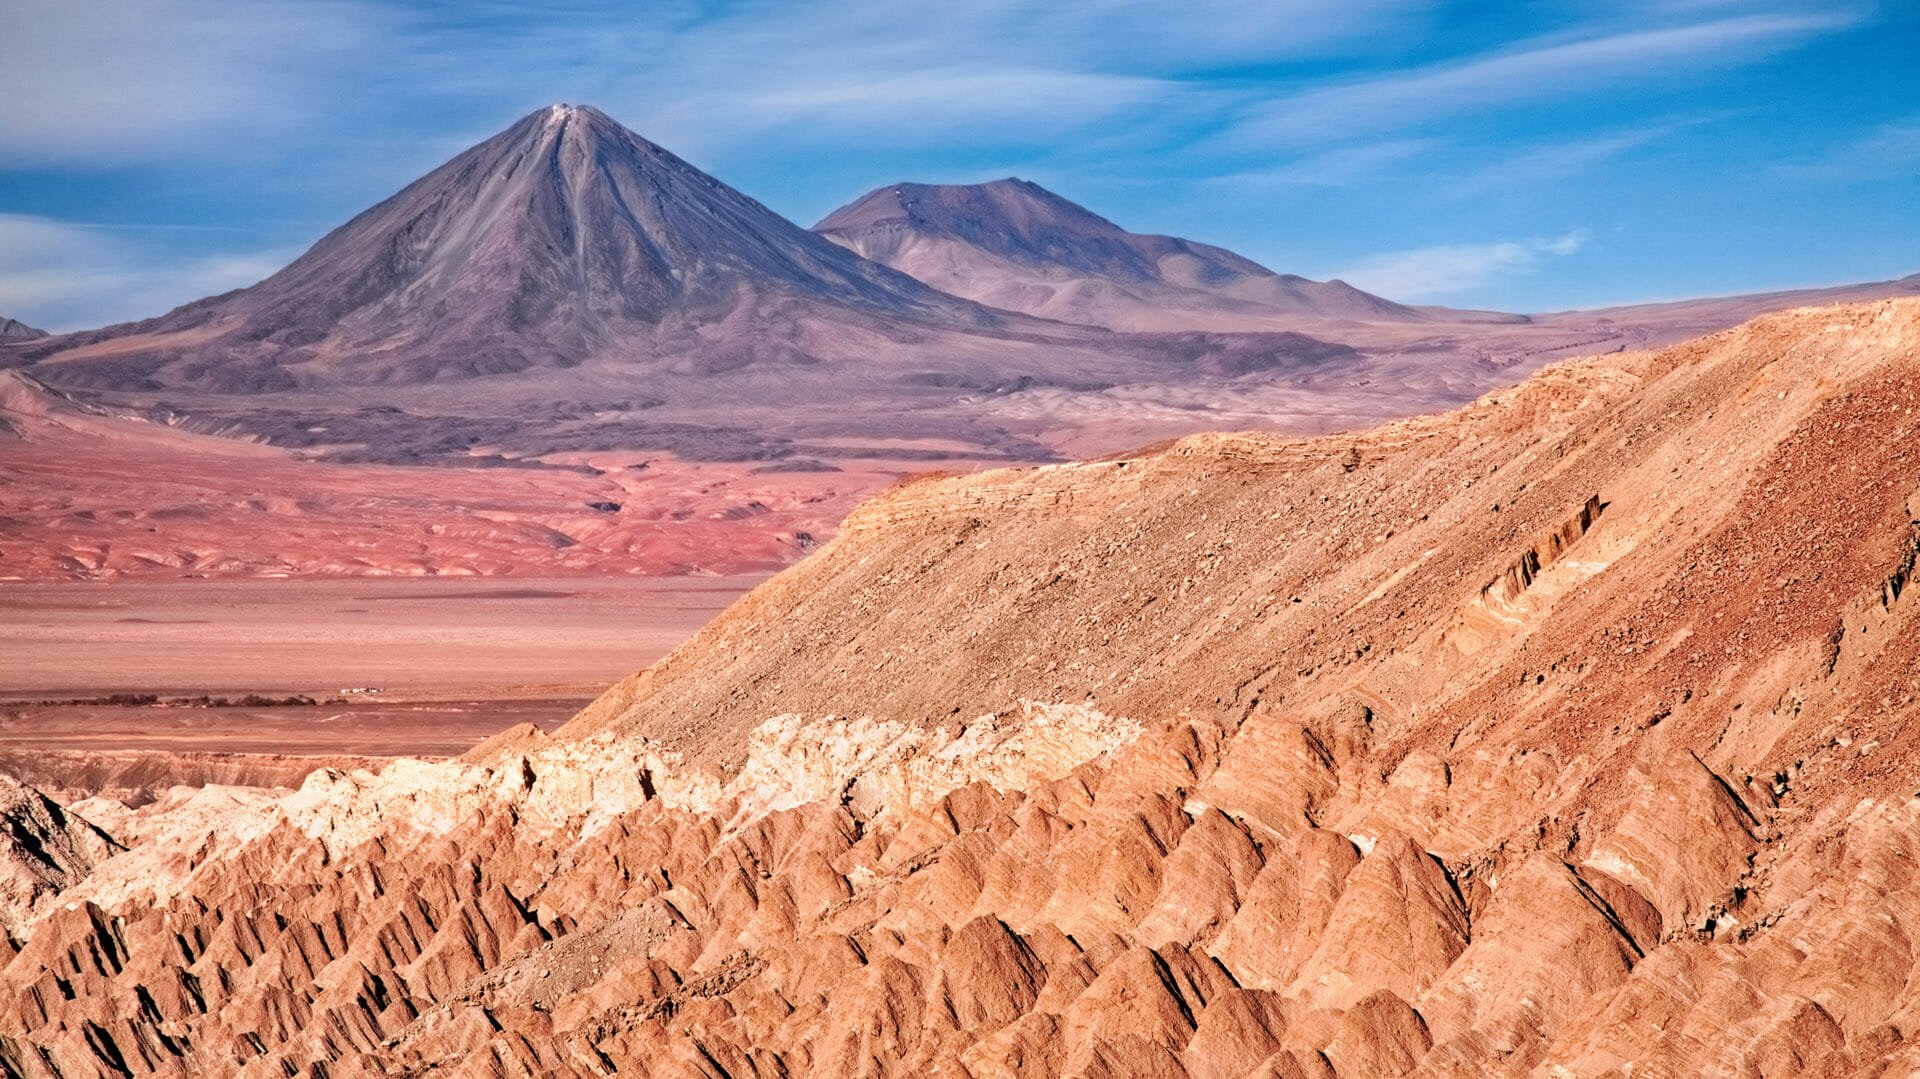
pixel 1015 245
pixel 568 285
pixel 563 239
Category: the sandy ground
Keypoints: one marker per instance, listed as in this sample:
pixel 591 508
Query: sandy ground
pixel 401 667
pixel 91 495
pixel 433 639
pixel 390 728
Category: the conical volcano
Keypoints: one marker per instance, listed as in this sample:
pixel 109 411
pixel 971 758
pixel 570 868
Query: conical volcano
pixel 563 239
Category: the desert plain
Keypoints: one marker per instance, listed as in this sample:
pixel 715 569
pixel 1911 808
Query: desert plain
pixel 393 666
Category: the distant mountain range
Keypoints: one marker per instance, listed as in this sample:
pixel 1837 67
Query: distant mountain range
pixel 568 286
pixel 1015 245
pixel 573 303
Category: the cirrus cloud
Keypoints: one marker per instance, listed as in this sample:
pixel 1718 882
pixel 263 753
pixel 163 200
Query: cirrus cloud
pixel 1429 273
pixel 117 80
pixel 60 276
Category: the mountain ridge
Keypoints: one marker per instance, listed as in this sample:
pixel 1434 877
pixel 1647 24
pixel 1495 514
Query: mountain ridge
pixel 1011 243
pixel 568 285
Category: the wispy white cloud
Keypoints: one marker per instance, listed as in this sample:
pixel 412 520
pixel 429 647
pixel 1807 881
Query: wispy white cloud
pixel 1561 159
pixel 116 80
pixel 1277 124
pixel 61 276
pixel 123 79
pixel 713 78
pixel 1450 269
pixel 1530 73
pixel 934 103
pixel 1328 168
pixel 1890 151
pixel 1193 33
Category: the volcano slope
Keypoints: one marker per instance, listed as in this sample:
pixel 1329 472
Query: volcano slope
pixel 1015 245
pixel 1567 734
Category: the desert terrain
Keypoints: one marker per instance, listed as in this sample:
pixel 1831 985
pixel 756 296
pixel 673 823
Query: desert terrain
pixel 94 494
pixel 127 689
pixel 1568 733
pixel 507 370
pixel 573 620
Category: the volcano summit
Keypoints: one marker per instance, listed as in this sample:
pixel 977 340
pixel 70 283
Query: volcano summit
pixel 564 238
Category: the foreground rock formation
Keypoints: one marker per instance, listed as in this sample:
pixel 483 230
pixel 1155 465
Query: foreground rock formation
pixel 1568 734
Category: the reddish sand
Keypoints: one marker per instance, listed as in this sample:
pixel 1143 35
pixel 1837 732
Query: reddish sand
pixel 400 666
pixel 425 639
pixel 95 495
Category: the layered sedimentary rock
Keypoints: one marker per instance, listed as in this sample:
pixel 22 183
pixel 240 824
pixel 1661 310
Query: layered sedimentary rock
pixel 1569 734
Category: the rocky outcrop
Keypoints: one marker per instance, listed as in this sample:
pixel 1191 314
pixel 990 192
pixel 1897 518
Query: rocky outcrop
pixel 14 330
pixel 1519 576
pixel 45 848
pixel 1163 765
pixel 136 777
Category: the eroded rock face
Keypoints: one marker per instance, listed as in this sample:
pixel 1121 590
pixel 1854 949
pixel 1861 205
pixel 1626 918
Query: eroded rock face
pixel 1214 761
pixel 44 848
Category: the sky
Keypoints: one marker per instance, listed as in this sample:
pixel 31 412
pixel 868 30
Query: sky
pixel 1515 155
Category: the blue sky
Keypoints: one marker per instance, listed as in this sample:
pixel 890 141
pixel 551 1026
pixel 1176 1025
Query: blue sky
pixel 1516 155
